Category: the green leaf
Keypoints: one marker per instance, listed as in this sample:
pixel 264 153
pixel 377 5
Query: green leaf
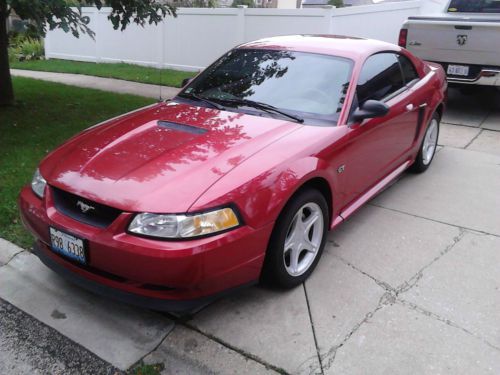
pixel 66 14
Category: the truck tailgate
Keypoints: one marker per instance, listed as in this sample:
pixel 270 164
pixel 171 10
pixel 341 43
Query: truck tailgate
pixel 465 40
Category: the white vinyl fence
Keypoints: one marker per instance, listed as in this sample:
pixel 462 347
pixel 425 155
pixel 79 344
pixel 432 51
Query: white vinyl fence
pixel 199 35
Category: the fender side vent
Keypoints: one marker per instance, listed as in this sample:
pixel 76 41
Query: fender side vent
pixel 420 121
pixel 181 127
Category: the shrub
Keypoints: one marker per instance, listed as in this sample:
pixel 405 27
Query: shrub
pixel 248 3
pixel 337 3
pixel 26 49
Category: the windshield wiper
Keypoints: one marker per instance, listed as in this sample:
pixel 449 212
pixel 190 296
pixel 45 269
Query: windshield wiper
pixel 262 106
pixel 204 100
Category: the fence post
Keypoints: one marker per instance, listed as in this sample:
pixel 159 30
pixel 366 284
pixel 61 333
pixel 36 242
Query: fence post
pixel 241 23
pixel 328 18
pixel 47 46
pixel 160 57
pixel 98 31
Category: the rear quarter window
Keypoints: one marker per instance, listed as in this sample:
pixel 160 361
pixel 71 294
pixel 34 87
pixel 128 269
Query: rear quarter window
pixel 380 77
pixel 409 72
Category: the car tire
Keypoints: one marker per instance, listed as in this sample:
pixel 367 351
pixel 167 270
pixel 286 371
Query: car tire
pixel 292 240
pixel 428 147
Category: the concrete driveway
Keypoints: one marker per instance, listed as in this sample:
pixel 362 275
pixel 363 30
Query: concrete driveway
pixel 409 285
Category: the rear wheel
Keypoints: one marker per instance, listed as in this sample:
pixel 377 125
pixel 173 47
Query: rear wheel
pixel 428 147
pixel 298 240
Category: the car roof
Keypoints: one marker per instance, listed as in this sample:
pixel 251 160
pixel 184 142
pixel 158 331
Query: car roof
pixel 336 45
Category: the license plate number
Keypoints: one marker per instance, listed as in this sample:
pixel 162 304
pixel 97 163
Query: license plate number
pixel 458 70
pixel 67 245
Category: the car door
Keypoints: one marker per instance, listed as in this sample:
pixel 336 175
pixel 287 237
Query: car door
pixel 377 146
pixel 414 99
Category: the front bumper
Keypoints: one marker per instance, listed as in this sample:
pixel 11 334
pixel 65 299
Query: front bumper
pixel 125 296
pixel 162 275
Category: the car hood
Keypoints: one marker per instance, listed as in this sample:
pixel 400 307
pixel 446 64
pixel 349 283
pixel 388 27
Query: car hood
pixel 161 158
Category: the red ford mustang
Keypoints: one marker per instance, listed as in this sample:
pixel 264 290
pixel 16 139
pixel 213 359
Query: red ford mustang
pixel 239 177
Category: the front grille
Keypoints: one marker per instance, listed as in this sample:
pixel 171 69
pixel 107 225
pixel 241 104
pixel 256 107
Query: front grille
pixel 84 210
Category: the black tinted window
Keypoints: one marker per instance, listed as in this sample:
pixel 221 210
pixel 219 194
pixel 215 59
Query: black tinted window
pixel 474 6
pixel 409 71
pixel 311 85
pixel 380 77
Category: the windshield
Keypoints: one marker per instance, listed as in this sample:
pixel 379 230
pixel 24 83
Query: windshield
pixel 310 86
pixel 474 6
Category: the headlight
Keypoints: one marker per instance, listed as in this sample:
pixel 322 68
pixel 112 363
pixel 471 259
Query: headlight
pixel 184 226
pixel 38 184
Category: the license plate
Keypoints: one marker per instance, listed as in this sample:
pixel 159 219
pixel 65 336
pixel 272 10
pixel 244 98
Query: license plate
pixel 67 245
pixel 458 70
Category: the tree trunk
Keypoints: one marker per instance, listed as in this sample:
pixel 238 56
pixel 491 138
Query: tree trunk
pixel 6 90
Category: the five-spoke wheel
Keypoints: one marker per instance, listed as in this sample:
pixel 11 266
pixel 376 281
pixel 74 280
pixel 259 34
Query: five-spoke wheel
pixel 303 239
pixel 298 239
pixel 428 147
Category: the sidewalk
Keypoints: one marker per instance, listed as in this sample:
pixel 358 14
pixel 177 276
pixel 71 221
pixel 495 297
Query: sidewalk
pixel 27 346
pixel 48 325
pixel 99 83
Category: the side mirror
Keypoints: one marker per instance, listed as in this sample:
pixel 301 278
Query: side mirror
pixel 186 81
pixel 370 109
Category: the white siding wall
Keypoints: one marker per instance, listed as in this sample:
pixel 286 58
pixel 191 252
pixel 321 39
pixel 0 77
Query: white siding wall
pixel 433 6
pixel 199 35
pixel 381 21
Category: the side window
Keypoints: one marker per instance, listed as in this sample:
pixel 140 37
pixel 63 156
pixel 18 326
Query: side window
pixel 379 78
pixel 409 71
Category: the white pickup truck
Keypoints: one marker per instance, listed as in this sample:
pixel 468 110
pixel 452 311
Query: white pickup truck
pixel 464 39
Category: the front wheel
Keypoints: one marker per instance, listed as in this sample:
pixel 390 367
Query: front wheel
pixel 428 147
pixel 298 240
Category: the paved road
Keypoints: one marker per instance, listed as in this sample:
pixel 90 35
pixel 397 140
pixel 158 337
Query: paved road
pixel 408 285
pixel 28 346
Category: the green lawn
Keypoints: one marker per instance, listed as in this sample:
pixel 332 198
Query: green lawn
pixel 46 115
pixel 128 72
pixel 143 369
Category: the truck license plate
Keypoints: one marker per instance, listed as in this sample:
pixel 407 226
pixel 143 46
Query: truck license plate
pixel 458 70
pixel 67 245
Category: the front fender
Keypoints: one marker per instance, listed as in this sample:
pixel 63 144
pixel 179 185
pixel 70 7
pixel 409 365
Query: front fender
pixel 261 198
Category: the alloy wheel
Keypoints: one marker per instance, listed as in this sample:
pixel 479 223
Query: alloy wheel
pixel 430 142
pixel 303 239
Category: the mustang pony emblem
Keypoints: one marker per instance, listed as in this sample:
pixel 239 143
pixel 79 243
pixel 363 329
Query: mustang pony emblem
pixel 462 39
pixel 84 207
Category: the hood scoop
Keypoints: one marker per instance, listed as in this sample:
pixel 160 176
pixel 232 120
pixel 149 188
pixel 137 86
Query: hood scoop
pixel 181 127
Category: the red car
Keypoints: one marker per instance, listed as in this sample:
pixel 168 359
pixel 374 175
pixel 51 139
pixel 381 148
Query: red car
pixel 239 177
